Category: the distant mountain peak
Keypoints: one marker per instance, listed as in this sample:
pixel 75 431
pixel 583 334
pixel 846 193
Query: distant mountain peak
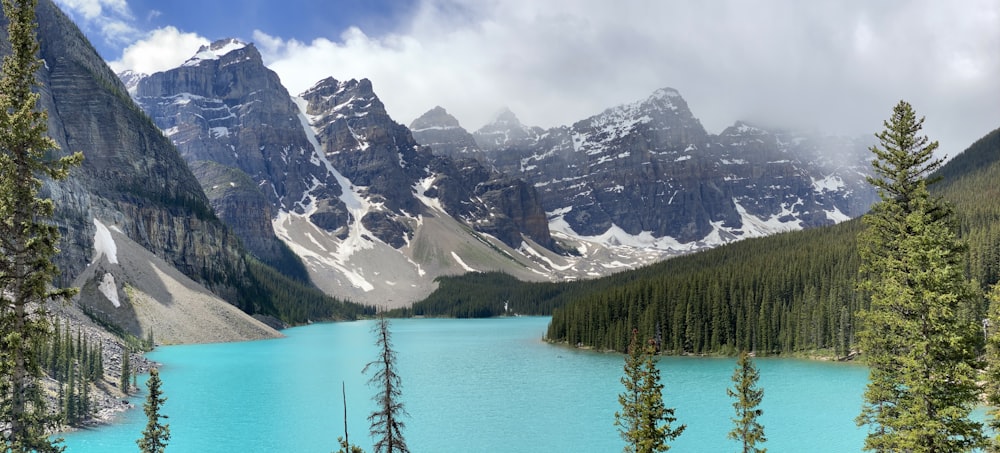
pixel 131 79
pixel 435 118
pixel 216 50
pixel 505 117
pixel 743 128
pixel 665 93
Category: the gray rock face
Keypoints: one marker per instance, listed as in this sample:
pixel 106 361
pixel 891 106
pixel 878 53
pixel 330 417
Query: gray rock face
pixel 223 106
pixel 442 132
pixel 131 176
pixel 374 152
pixel 505 207
pixel 651 167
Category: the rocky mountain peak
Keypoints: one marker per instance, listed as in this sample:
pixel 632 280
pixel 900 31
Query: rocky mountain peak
pixel 131 79
pixel 442 133
pixel 221 48
pixel 504 131
pixel 743 128
pixel 505 118
pixel 435 118
pixel 334 99
pixel 665 108
pixel 665 99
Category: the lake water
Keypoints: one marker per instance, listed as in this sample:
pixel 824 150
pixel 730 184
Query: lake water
pixel 482 385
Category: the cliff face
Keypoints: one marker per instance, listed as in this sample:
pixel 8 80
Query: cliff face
pixel 224 107
pixel 133 183
pixel 649 169
pixel 131 174
pixel 373 151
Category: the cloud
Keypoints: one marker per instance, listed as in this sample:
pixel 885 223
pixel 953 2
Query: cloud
pixel 833 66
pixel 161 49
pixel 837 67
pixel 112 19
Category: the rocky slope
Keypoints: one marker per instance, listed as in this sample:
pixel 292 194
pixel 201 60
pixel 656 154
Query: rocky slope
pixel 442 132
pixel 347 188
pixel 219 108
pixel 138 234
pixel 648 175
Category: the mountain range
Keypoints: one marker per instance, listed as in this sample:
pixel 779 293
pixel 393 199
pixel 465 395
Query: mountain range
pixel 213 178
pixel 377 210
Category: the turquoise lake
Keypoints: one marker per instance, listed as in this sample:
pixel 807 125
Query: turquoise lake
pixel 482 385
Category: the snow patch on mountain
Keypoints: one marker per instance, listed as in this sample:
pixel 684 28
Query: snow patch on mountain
pixel 754 226
pixel 214 51
pixel 421 188
pixel 104 244
pixel 837 216
pixel 831 183
pixel 109 289
pixel 458 260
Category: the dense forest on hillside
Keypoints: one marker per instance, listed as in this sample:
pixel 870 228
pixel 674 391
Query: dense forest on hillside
pixel 272 293
pixel 783 293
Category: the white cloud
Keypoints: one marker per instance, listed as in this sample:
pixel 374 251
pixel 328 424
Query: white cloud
pixel 161 49
pixel 835 66
pixel 838 66
pixel 112 19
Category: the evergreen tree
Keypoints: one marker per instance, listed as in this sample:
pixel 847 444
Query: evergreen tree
pixel 917 333
pixel 748 431
pixel 345 447
pixel 386 421
pixel 644 421
pixel 123 380
pixel 27 239
pixel 156 435
pixel 992 378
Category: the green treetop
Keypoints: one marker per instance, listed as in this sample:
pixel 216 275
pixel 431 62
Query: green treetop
pixel 27 238
pixel 919 333
pixel 747 430
pixel 156 435
pixel 644 421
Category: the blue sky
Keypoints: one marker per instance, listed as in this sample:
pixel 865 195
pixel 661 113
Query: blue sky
pixel 834 66
pixel 292 19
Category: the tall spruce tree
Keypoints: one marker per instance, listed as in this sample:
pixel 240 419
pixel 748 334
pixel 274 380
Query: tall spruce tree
pixel 27 239
pixel 992 377
pixel 156 435
pixel 125 377
pixel 918 333
pixel 644 421
pixel 747 430
pixel 386 421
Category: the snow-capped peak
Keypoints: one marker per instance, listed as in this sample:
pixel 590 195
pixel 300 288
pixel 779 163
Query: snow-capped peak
pixel 215 50
pixel 131 79
pixel 743 128
pixel 664 93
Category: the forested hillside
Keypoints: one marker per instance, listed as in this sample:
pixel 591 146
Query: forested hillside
pixel 783 293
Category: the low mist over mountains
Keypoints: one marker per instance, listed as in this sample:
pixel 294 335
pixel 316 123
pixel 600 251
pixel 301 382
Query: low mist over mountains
pixel 648 174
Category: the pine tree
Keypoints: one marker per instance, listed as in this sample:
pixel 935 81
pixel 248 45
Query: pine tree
pixel 917 334
pixel 748 431
pixel 992 377
pixel 27 238
pixel 386 421
pixel 346 447
pixel 644 421
pixel 156 435
pixel 126 375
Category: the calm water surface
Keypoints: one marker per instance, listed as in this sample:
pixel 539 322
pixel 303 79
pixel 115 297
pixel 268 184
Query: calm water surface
pixel 488 385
